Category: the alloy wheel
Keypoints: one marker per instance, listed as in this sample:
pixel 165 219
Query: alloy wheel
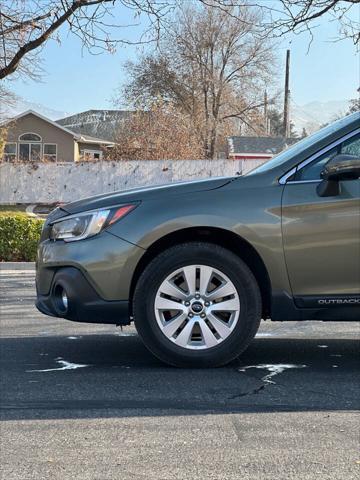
pixel 197 307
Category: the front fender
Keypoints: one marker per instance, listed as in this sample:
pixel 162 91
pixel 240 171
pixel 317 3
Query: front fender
pixel 253 215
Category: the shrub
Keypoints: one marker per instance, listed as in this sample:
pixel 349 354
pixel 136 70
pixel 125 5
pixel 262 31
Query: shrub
pixel 19 236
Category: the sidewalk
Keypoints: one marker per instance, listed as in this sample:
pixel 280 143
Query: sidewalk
pixel 17 265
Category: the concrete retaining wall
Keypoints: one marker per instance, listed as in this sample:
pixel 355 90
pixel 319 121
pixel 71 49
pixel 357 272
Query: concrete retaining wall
pixel 64 182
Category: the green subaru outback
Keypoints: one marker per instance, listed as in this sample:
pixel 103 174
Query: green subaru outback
pixel 197 265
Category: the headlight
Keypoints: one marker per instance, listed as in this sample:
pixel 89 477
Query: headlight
pixel 87 224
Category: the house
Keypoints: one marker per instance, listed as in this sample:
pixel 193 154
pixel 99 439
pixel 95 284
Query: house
pixel 257 148
pixel 97 123
pixel 32 137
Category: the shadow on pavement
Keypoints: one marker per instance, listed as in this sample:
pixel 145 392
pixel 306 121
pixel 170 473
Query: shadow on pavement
pixel 113 375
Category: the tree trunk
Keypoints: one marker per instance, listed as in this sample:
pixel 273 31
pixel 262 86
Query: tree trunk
pixel 213 141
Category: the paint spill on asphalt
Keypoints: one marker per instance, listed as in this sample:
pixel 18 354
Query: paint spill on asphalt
pixel 64 366
pixel 274 369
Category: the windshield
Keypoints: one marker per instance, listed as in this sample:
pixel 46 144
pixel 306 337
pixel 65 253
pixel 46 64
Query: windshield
pixel 291 152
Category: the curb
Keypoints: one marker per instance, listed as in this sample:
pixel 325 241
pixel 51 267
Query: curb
pixel 17 265
pixel 30 210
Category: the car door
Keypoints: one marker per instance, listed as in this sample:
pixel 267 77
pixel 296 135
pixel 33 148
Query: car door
pixel 321 235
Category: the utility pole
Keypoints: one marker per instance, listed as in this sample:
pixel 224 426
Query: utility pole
pixel 286 123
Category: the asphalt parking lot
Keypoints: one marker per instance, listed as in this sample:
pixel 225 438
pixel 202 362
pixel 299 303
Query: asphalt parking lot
pixel 90 402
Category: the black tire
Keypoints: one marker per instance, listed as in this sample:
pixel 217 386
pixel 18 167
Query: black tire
pixel 216 257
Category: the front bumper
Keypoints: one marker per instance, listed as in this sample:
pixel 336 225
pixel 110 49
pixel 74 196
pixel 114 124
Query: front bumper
pixel 84 304
pixel 95 273
pixel 107 262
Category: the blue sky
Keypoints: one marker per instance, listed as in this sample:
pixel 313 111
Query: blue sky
pixel 75 81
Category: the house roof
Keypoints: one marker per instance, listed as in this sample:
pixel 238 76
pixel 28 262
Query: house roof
pixel 37 114
pixel 96 123
pixel 78 137
pixel 263 145
pixel 89 139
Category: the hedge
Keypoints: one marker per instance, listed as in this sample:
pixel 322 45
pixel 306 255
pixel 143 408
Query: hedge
pixel 19 236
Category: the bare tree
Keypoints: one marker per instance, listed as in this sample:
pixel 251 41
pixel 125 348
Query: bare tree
pixel 212 64
pixel 161 132
pixel 7 99
pixel 354 105
pixel 26 26
pixel 298 16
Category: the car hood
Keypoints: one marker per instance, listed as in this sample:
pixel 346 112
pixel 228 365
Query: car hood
pixel 145 193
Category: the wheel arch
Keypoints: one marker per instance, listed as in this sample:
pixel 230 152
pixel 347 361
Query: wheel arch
pixel 225 238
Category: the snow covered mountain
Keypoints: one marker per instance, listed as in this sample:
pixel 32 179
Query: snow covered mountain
pixel 97 123
pixel 21 105
pixel 314 114
pixel 309 116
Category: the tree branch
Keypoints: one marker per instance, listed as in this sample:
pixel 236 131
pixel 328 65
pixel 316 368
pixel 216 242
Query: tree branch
pixel 34 44
pixel 22 25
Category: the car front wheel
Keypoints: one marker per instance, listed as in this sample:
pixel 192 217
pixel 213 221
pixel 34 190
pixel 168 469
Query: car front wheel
pixel 197 305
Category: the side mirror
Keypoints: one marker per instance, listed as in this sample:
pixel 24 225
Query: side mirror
pixel 340 168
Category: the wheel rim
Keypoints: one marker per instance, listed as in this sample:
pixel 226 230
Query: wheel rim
pixel 197 307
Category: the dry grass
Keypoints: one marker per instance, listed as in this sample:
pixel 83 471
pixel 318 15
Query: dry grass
pixel 12 210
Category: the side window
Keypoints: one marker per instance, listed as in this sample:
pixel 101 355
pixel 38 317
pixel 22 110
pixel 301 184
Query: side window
pixel 312 171
pixel 352 146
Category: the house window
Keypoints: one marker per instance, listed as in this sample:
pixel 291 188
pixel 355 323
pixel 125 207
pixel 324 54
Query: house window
pixel 30 147
pixel 50 152
pixel 30 137
pixel 88 155
pixel 9 152
pixel 30 152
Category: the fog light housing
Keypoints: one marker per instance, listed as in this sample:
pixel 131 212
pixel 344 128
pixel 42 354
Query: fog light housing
pixel 61 300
